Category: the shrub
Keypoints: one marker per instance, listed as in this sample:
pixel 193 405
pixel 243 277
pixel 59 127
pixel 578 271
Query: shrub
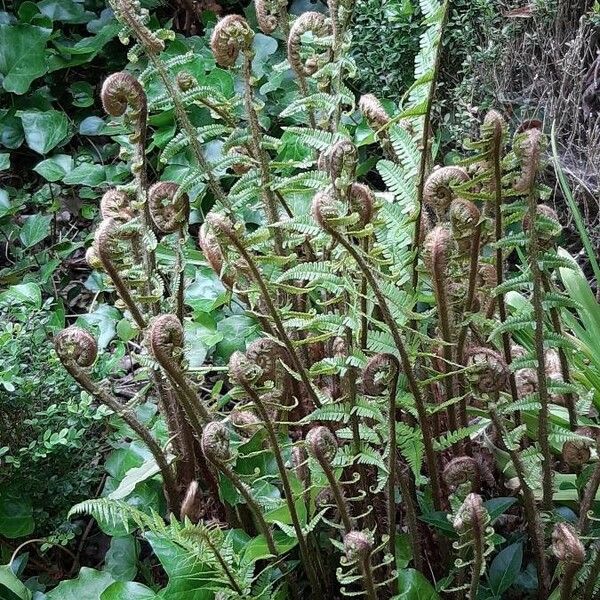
pixel 52 435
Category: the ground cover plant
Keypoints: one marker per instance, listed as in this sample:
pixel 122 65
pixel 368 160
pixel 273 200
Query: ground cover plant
pixel 353 370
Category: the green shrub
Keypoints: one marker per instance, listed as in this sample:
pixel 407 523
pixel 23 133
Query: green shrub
pixel 52 434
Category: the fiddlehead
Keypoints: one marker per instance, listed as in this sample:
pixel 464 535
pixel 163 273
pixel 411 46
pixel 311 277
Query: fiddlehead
pixel 488 372
pixel 462 470
pixel 373 111
pixel 381 372
pixel 569 550
pixel 77 347
pixel 438 191
pixel 308 21
pixel 165 338
pixel 471 523
pixel 121 91
pixel 230 36
pixel 115 205
pixel 169 209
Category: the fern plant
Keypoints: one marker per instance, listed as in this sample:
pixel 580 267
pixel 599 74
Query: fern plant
pixel 394 390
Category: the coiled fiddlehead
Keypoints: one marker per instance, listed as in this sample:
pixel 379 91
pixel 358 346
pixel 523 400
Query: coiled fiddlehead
pixel 464 218
pixel 489 372
pixel 216 442
pixel 266 354
pixel 471 523
pixel 165 339
pixel 115 205
pixel 438 192
pixel 76 346
pixel 358 549
pixel 373 111
pixel 382 372
pixel 230 36
pixel 461 470
pixel 267 15
pixel 308 21
pixel 123 90
pixel 168 208
pixel 362 201
pixel 341 160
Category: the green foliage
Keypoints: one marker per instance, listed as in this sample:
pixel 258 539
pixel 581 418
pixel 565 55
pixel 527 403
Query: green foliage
pixel 385 43
pixel 49 429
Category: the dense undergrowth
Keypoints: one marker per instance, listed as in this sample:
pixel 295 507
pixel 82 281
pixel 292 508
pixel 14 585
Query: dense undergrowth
pixel 317 362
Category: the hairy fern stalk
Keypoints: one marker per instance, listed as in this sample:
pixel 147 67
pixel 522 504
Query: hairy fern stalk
pixel 406 376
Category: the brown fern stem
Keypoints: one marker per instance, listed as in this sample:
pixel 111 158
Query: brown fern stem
pixel 404 360
pixel 92 388
pixel 534 522
pixel 498 234
pixel 538 313
pixel 274 313
pixel 289 497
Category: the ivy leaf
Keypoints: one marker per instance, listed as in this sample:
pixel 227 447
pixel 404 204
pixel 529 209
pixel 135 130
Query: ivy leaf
pixel 4 161
pixel 121 558
pixel 16 515
pixel 11 131
pixel 24 293
pixel 105 317
pixel 55 168
pixel 66 11
pixel 133 477
pixel 127 590
pixel 10 586
pixel 44 130
pixel 86 174
pixel 89 585
pixel 22 57
pixel 414 586
pixel 237 331
pixel 505 568
pixel 36 228
pixel 83 94
pixel 263 47
pixel 257 549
